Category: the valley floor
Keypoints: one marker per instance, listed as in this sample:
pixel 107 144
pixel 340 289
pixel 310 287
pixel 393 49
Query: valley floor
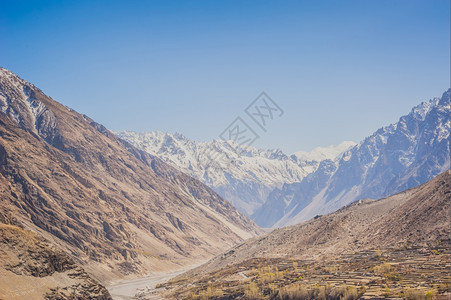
pixel 136 288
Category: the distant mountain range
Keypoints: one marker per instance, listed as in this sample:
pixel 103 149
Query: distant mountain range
pixel 245 176
pixel 276 189
pixel 394 158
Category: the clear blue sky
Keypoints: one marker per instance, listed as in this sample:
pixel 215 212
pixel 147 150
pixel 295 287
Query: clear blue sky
pixel 339 69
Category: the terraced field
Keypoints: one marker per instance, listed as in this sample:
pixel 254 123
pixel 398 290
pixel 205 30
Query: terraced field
pixel 409 273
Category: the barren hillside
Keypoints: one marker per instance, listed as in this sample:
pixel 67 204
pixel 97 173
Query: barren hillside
pixel 103 201
pixel 405 230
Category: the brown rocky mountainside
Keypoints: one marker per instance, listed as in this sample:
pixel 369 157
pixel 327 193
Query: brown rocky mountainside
pixel 30 269
pixel 114 209
pixel 406 227
pixel 418 216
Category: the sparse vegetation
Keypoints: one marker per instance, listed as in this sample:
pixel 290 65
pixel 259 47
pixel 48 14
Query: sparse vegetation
pixel 319 292
pixel 414 294
pixel 345 277
pixel 252 291
pixel 382 269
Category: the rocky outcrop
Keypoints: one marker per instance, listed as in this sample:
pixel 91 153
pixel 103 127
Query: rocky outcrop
pixel 31 268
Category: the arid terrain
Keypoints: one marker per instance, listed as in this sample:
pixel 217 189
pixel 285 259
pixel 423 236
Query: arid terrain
pixel 221 150
pixel 31 268
pixel 128 289
pixel 394 247
pixel 115 210
pixel 82 209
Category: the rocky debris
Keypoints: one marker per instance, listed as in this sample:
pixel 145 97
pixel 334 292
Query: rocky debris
pixel 24 256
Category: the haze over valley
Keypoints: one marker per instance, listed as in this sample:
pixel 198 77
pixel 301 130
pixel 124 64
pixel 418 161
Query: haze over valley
pixel 276 189
pixel 113 211
pixel 221 150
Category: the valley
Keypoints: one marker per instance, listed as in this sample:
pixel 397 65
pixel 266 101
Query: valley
pixel 132 289
pixel 225 150
pixel 124 218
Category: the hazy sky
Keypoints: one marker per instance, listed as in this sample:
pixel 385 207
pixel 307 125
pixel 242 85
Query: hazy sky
pixel 338 69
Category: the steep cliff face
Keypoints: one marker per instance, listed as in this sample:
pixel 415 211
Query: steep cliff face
pixel 397 157
pixel 104 201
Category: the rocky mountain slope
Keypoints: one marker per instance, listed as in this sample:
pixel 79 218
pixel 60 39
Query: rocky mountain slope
pixel 418 216
pixel 394 158
pixel 409 226
pixel 31 268
pixel 244 176
pixel 115 209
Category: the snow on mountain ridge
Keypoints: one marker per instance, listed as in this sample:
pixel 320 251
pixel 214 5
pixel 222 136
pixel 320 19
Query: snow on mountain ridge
pixel 18 101
pixel 394 158
pixel 322 153
pixel 245 175
pixel 278 190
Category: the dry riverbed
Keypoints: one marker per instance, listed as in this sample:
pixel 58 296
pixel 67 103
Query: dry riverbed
pixel 142 288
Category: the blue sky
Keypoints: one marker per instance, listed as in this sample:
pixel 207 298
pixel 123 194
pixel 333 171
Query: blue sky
pixel 339 69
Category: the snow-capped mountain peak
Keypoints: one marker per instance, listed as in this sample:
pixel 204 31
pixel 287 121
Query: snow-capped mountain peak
pixel 243 175
pixel 278 189
pixel 394 158
pixel 322 153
